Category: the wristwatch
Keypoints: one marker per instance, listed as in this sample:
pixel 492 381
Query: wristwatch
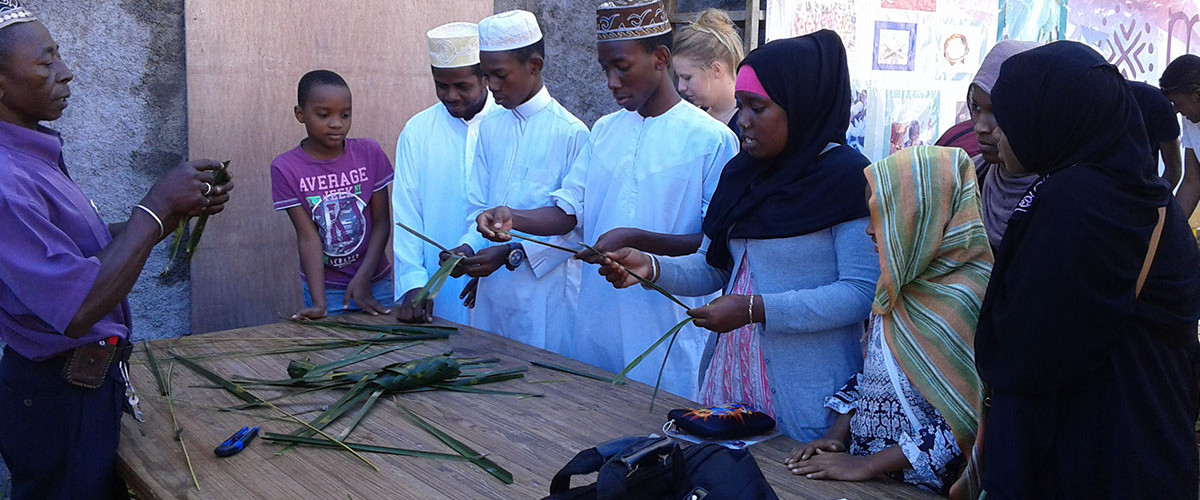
pixel 516 256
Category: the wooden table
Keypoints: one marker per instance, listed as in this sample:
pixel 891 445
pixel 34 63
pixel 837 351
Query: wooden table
pixel 532 437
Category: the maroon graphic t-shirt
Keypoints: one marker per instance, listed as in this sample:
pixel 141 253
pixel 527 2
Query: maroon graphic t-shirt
pixel 336 194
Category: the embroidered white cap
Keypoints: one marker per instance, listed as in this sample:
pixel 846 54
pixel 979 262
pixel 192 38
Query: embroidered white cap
pixel 14 12
pixel 454 45
pixel 508 31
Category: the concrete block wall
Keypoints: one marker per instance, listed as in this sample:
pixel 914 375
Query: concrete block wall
pixel 126 124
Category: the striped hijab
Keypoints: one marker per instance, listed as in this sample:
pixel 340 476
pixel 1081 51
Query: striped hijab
pixel 935 262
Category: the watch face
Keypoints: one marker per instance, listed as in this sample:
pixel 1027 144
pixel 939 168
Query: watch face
pixel 515 258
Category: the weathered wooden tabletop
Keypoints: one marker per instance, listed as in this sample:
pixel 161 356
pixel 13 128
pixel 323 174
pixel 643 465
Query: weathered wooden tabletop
pixel 532 437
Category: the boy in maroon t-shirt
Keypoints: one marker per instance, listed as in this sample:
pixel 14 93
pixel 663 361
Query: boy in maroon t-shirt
pixel 326 185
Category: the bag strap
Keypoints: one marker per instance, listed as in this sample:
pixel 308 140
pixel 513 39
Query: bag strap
pixel 1150 252
pixel 585 462
pixel 592 459
pixel 611 482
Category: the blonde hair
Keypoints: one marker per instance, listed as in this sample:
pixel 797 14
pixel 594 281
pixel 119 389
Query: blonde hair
pixel 710 39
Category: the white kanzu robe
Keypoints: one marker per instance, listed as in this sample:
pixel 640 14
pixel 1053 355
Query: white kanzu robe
pixel 522 157
pixel 433 163
pixel 656 174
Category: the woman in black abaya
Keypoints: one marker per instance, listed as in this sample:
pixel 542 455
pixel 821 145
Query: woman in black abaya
pixel 1094 389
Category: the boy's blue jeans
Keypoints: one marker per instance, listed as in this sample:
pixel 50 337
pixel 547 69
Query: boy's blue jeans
pixel 382 290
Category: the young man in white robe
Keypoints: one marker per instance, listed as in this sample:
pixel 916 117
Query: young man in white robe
pixel 644 180
pixel 434 155
pixel 526 292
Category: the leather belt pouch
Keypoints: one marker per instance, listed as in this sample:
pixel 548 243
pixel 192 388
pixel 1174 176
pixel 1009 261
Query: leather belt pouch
pixel 87 365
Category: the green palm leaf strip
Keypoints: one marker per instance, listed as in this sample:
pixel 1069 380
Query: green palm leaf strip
pixel 479 460
pixel 649 284
pixel 423 237
pixel 476 390
pixel 387 450
pixel 636 361
pixel 572 371
pixel 316 372
pixel 173 251
pixel 431 289
pixel 246 396
pixel 436 330
pixel 309 390
pixel 542 243
pixel 362 412
pixel 394 378
pixel 175 425
pixel 220 177
pixel 158 378
pixel 662 368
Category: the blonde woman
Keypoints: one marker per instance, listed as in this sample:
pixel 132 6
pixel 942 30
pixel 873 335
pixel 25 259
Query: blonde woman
pixel 707 53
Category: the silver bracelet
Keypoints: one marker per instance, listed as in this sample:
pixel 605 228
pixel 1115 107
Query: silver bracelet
pixel 654 269
pixel 162 231
pixel 750 310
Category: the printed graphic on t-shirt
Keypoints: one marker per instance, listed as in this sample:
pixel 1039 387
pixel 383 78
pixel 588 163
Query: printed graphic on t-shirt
pixel 339 215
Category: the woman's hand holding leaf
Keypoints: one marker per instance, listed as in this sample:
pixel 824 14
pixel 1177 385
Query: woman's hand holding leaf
pixel 495 224
pixel 632 260
pixel 725 314
pixel 408 311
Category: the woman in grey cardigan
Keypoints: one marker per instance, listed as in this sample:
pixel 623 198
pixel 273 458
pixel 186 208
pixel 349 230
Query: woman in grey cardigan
pixel 785 240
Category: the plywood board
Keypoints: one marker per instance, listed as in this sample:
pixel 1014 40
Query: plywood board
pixel 244 60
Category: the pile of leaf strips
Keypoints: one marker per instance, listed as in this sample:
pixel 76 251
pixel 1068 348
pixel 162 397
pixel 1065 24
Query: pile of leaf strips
pixel 362 389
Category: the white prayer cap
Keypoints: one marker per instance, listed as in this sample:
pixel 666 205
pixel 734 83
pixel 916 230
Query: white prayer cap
pixel 508 31
pixel 13 12
pixel 454 45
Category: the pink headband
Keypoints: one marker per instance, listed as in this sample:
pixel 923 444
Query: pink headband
pixel 747 80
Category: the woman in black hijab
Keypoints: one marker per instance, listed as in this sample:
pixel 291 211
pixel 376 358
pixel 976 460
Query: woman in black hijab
pixel 786 242
pixel 1094 390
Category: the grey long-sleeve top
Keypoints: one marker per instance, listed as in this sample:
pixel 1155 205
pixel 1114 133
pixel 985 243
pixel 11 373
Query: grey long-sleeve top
pixel 817 291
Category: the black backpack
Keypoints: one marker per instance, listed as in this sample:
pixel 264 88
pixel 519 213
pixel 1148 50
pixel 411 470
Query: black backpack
pixel 656 468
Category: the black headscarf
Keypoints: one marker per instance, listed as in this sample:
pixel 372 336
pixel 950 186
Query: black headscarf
pixel 1062 289
pixel 788 195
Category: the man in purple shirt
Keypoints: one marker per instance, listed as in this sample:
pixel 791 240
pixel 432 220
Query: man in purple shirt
pixel 64 277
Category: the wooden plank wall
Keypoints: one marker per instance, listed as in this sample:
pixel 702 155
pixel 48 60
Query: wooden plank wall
pixel 244 60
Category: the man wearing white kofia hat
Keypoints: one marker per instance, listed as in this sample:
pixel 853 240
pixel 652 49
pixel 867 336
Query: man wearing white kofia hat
pixel 523 155
pixel 643 181
pixel 434 155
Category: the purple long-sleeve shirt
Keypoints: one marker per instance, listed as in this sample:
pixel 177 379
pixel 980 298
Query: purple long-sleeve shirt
pixel 50 234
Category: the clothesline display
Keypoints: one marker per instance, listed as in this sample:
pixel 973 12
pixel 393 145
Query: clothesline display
pixel 912 60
